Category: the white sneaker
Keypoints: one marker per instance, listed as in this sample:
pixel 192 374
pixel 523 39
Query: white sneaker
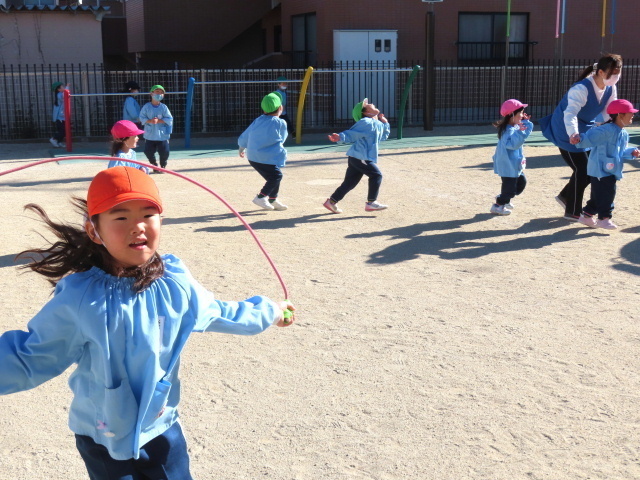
pixel 374 206
pixel 333 207
pixel 54 142
pixel 62 145
pixel 278 205
pixel 588 221
pixel 500 209
pixel 509 205
pixel 263 203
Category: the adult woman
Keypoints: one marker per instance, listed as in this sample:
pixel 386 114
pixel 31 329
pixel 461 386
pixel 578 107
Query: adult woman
pixel 576 113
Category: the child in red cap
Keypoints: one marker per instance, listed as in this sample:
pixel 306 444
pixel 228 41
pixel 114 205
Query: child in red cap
pixel 122 313
pixel 509 161
pixel 609 148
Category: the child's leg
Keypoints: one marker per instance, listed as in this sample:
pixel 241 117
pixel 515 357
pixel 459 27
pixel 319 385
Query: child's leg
pixel 372 171
pixel 150 147
pixel 163 457
pixel 60 133
pixel 273 176
pixel 163 152
pixel 604 191
pixel 352 177
pixel 521 184
pixel 508 190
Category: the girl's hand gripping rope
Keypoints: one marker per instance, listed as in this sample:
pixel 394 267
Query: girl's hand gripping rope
pixel 288 315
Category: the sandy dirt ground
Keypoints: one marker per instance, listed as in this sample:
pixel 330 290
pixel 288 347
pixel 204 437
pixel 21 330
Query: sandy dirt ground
pixel 434 340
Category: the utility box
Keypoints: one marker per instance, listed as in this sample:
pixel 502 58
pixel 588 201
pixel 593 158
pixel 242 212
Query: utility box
pixel 364 54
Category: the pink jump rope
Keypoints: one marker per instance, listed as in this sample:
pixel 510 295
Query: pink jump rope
pixel 287 313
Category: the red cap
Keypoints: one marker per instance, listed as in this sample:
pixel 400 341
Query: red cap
pixel 511 106
pixel 124 129
pixel 117 185
pixel 620 106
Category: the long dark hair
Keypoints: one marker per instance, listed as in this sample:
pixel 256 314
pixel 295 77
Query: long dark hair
pixel 75 252
pixel 505 121
pixel 609 62
pixel 116 145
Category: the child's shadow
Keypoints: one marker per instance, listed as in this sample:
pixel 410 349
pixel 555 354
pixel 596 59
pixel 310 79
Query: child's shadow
pixel 453 245
pixel 630 254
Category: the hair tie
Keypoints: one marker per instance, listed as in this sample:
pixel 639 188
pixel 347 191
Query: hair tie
pixel 595 67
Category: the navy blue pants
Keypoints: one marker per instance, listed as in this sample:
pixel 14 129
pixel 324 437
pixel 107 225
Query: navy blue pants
pixel 511 186
pixel 160 146
pixel 272 174
pixel 60 132
pixel 163 458
pixel 603 193
pixel 573 191
pixel 356 169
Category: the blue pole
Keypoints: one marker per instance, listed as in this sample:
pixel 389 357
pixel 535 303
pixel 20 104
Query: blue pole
pixel 187 121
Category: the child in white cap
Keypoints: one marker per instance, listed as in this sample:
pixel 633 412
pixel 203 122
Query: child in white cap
pixel 509 161
pixel 263 142
pixel 370 129
pixel 609 148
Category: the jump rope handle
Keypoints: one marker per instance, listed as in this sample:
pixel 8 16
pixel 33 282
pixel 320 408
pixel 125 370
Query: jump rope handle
pixel 287 314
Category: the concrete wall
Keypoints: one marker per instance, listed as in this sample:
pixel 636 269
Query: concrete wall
pixel 50 38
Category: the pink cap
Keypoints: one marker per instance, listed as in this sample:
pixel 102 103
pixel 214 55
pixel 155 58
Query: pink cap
pixel 511 106
pixel 124 129
pixel 620 106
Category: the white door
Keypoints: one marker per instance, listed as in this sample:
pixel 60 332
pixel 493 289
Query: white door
pixel 363 53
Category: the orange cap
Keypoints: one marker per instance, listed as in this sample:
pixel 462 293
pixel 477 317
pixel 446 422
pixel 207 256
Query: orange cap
pixel 117 185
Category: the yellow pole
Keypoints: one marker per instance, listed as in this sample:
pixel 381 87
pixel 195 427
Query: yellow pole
pixel 604 16
pixel 303 94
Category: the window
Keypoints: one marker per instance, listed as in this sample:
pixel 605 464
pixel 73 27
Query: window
pixel 304 39
pixel 277 38
pixel 482 36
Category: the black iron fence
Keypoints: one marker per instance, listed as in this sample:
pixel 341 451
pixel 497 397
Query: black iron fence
pixel 465 94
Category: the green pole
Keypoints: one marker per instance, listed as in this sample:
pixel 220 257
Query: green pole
pixel 403 101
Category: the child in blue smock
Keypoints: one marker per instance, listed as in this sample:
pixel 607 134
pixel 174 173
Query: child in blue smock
pixel 157 121
pixel 263 144
pixel 58 114
pixel 609 148
pixel 125 139
pixel 122 313
pixel 509 161
pixel 370 129
pixel 131 107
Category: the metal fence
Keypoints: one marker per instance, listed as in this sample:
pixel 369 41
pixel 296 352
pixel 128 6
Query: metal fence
pixel 465 94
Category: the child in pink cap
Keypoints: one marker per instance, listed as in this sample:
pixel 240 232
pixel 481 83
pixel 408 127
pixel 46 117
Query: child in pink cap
pixel 509 161
pixel 125 139
pixel 609 148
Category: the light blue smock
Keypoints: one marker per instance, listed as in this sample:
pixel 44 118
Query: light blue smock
pixel 130 155
pixel 366 135
pixel 157 131
pixel 131 110
pixel 609 149
pixel 264 139
pixel 58 110
pixel 509 159
pixel 126 346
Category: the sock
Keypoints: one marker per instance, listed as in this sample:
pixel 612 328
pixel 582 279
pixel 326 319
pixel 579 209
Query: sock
pixel 272 199
pixel 260 195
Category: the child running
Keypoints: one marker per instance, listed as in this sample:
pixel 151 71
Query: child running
pixel 157 121
pixel 125 139
pixel 609 148
pixel 370 129
pixel 122 313
pixel 263 141
pixel 509 161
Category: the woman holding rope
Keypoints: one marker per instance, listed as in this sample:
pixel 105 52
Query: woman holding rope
pixel 584 103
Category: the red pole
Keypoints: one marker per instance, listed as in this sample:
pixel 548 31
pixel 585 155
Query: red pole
pixel 67 119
